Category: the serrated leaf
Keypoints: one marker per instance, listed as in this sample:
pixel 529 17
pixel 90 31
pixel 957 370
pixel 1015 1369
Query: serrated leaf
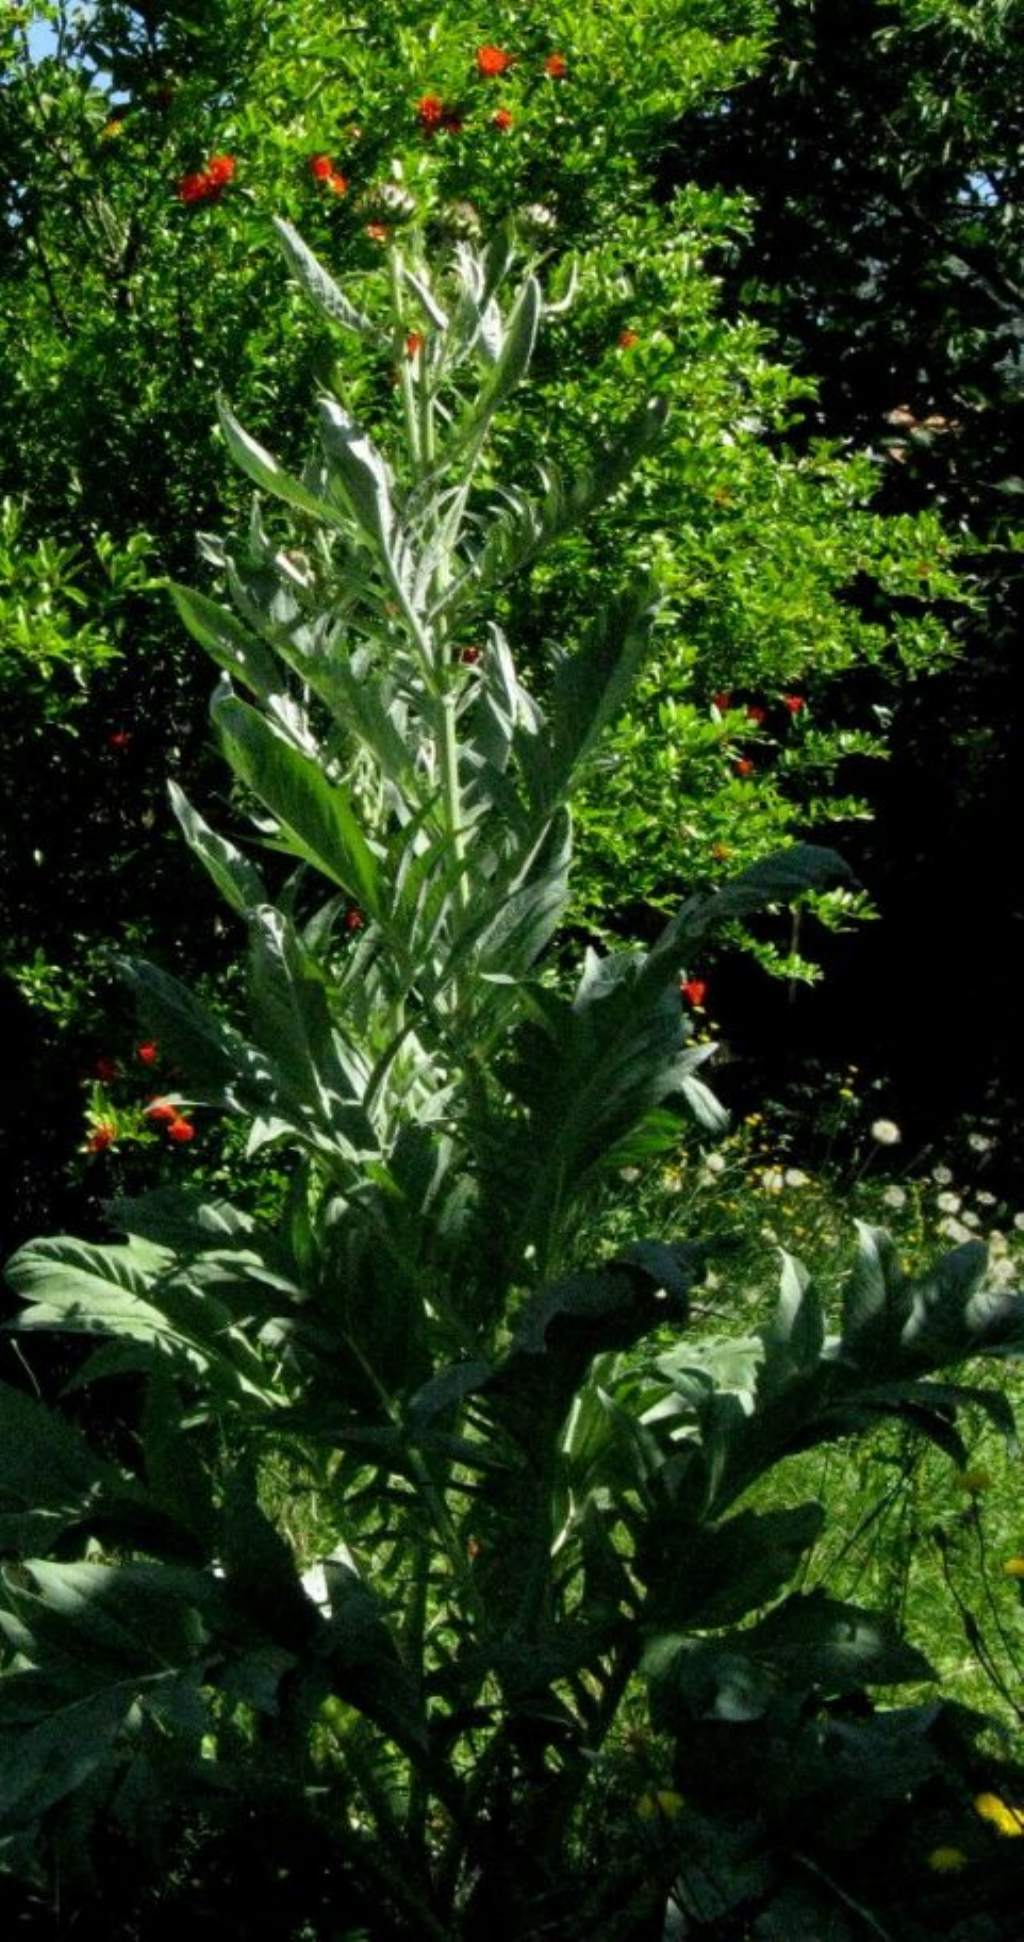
pixel 49 1477
pixel 45 1762
pixel 517 535
pixel 776 880
pixel 318 285
pixel 227 641
pixel 314 813
pixel 220 1064
pixel 590 686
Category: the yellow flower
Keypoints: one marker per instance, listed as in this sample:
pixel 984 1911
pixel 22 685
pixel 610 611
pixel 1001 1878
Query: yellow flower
pixel 1006 1820
pixel 975 1481
pixel 112 130
pixel 946 1861
pixel 664 1805
pixel 1014 1568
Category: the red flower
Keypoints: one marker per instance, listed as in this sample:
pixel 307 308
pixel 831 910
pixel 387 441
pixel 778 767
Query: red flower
pixel 723 702
pixel 220 169
pixel 101 1137
pixel 205 185
pixel 794 703
pixel 414 343
pixel 105 1069
pixel 181 1131
pixel 321 167
pixel 743 765
pixel 149 1052
pixel 377 232
pixel 119 738
pixel 627 339
pixel 493 60
pixel 694 990
pixel 196 187
pixel 354 919
pixel 470 655
pixel 161 1112
pixel 337 184
pixel 757 714
pixel 556 65
pixel 430 109
pixel 503 119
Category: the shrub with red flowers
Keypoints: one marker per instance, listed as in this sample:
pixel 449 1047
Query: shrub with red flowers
pixel 556 66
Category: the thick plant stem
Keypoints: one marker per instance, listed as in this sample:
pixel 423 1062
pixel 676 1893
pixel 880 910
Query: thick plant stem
pixel 449 754
pixel 405 374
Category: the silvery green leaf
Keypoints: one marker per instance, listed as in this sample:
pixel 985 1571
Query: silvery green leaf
pixel 364 476
pixel 491 334
pixel 427 300
pixel 263 468
pixel 512 365
pixel 226 640
pixel 238 880
pixel 318 285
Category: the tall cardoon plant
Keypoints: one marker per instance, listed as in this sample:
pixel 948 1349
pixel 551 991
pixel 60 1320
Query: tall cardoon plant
pixel 515 1516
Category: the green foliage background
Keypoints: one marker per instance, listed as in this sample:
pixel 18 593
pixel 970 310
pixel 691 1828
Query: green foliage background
pixel 793 222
